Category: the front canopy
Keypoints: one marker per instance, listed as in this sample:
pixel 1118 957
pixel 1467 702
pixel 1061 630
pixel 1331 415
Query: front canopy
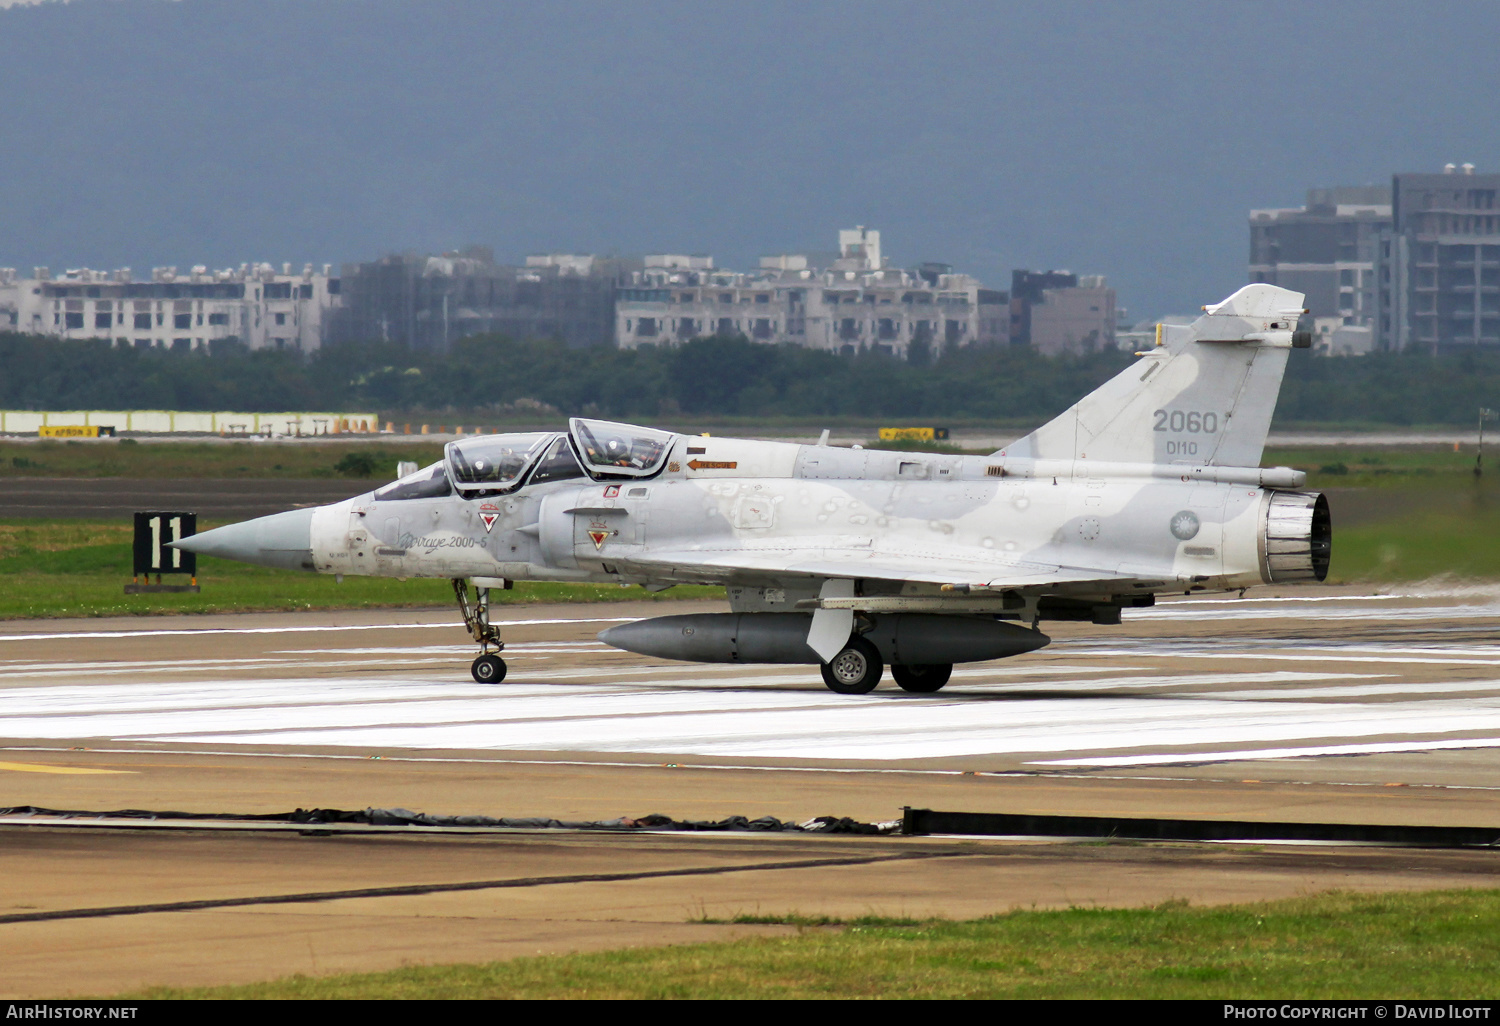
pixel 494 462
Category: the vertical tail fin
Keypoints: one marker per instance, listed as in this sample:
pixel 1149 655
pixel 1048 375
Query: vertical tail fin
pixel 1205 395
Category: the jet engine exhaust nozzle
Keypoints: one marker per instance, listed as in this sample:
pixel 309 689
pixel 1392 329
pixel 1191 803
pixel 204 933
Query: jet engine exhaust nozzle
pixel 1296 537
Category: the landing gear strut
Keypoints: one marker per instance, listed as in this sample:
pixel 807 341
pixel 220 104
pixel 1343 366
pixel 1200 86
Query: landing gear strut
pixel 489 668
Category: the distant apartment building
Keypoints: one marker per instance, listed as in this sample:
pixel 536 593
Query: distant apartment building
pixel 1075 320
pixel 855 302
pixel 429 302
pixel 1438 264
pixel 1060 312
pixel 254 304
pixel 1327 251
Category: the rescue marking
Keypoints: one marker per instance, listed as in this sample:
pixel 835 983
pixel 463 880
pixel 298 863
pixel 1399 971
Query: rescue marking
pixel 712 464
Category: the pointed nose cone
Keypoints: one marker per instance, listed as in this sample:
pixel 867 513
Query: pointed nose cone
pixel 281 540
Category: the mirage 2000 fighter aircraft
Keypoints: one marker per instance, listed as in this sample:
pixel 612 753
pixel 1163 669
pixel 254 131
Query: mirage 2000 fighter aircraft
pixel 851 558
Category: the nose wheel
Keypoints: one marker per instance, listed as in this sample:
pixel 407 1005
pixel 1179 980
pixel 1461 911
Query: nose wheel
pixel 489 668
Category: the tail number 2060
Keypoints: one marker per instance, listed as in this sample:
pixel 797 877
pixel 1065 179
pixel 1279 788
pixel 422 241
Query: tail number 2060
pixel 1193 422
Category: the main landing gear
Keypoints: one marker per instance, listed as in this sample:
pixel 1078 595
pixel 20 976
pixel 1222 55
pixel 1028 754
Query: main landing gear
pixel 856 671
pixel 922 679
pixel 489 668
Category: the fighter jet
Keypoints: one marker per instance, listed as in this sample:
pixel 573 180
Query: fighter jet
pixel 853 559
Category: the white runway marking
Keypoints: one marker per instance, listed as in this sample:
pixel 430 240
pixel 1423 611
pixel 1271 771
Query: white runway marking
pixel 1417 613
pixel 1277 753
pixel 1298 657
pixel 1366 690
pixel 1103 700
pixel 730 715
pixel 319 629
pixel 799 725
pixel 1188 680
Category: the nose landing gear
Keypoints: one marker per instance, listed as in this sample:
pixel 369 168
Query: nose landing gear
pixel 489 668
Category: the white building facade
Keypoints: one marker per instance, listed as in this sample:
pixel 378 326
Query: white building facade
pixel 855 303
pixel 254 304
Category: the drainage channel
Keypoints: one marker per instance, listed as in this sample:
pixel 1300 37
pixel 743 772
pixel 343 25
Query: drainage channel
pixel 1000 824
pixel 914 822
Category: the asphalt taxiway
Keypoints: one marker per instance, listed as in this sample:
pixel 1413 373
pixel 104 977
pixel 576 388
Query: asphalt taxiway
pixel 1314 705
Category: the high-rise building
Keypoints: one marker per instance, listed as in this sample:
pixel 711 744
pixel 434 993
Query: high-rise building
pixel 1026 288
pixel 1438 264
pixel 1077 319
pixel 1060 312
pixel 1327 251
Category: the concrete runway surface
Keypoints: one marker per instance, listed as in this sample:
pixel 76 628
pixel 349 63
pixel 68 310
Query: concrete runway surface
pixel 1337 705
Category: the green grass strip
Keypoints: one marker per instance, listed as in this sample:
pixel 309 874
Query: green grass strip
pixel 55 568
pixel 1443 944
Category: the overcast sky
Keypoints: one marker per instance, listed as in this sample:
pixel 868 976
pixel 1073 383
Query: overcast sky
pixel 1125 139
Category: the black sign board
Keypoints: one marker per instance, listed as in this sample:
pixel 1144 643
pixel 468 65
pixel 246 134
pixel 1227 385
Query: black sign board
pixel 154 533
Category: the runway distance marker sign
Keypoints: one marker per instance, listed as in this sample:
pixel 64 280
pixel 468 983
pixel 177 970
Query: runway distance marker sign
pixel 154 533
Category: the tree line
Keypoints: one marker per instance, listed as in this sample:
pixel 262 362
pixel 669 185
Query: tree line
pixel 710 377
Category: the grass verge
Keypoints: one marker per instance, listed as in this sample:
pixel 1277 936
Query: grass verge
pixel 1405 513
pixel 57 568
pixel 1329 946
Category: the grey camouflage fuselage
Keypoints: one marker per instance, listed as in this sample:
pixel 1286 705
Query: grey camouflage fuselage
pixel 1150 484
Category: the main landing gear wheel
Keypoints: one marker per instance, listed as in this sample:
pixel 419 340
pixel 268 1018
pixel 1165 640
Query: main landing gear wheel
pixel 922 678
pixel 855 670
pixel 488 669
